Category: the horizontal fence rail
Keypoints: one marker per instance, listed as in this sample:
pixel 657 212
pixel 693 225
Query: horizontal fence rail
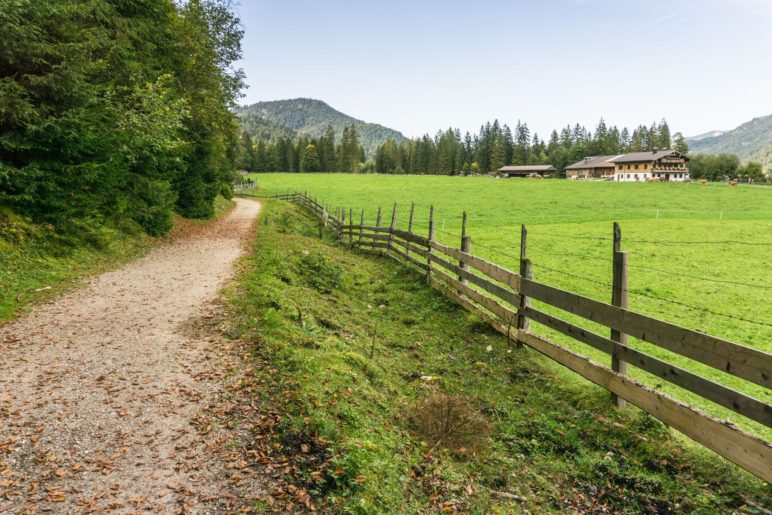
pixel 503 299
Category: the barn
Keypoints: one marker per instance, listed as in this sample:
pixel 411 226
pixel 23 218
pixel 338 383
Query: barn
pixel 546 171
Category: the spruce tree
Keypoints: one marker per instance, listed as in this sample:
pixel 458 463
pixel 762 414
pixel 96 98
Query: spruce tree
pixel 310 162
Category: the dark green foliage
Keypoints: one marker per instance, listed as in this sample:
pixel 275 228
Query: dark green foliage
pixel 115 110
pixel 311 161
pixel 226 191
pixel 310 155
pixel 714 167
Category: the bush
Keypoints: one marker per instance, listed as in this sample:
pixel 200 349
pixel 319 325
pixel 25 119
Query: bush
pixel 450 421
pixel 226 191
pixel 153 206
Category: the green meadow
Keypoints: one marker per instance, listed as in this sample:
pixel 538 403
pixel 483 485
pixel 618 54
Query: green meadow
pixel 699 255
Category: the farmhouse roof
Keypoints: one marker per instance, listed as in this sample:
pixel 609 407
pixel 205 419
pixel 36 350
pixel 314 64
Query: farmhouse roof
pixel 593 162
pixel 528 168
pixel 653 155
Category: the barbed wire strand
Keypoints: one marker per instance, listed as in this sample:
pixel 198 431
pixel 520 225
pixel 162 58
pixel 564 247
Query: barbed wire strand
pixel 657 242
pixel 658 298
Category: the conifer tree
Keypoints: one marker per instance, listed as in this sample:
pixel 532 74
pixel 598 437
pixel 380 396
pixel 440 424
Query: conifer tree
pixel 310 163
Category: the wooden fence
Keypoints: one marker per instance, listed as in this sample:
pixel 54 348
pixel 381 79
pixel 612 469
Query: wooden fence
pixel 503 299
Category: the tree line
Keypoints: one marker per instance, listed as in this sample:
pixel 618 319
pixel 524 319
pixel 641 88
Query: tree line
pixel 450 153
pixel 304 154
pixel 719 167
pixel 497 145
pixel 113 110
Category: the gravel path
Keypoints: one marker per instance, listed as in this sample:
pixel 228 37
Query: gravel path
pixel 100 390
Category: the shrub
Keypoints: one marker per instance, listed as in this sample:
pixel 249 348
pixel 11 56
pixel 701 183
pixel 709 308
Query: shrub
pixel 226 191
pixel 450 421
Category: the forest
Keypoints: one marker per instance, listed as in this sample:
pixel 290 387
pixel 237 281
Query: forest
pixel 114 110
pixel 302 154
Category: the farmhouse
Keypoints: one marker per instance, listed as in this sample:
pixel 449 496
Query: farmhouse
pixel 548 171
pixel 655 165
pixel 592 167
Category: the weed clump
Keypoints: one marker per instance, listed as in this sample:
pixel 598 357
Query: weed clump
pixel 320 273
pixel 450 421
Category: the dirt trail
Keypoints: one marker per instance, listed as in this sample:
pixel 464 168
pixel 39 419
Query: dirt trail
pixel 100 389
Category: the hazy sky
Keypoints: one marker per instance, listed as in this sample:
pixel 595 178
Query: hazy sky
pixel 418 66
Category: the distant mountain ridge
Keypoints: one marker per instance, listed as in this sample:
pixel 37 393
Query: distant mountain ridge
pixel 291 118
pixel 751 141
pixel 710 134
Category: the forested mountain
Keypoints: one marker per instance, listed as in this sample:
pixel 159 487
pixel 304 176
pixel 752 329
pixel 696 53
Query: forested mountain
pixel 751 141
pixel 115 111
pixel 306 116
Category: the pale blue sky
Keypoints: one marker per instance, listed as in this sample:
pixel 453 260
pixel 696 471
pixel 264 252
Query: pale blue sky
pixel 418 66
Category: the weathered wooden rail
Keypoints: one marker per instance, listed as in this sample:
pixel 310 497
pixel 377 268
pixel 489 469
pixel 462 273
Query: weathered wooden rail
pixel 502 298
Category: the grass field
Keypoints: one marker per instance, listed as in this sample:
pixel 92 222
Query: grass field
pixel 347 347
pixel 699 255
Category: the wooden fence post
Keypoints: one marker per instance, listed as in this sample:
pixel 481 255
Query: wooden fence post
pixel 350 226
pixel 378 218
pixel 392 226
pixel 361 225
pixel 341 223
pixel 429 246
pixel 466 244
pixel 619 298
pixel 526 271
pixel 410 227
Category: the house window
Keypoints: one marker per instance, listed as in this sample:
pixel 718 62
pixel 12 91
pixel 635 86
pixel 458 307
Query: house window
pixel 636 167
pixel 628 175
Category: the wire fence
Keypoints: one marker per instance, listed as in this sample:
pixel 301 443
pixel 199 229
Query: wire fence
pixel 684 276
pixel 600 282
pixel 654 297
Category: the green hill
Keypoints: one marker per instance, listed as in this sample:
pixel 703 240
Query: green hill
pixel 289 118
pixel 751 141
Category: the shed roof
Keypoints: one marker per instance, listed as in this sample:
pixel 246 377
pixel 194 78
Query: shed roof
pixel 528 168
pixel 593 162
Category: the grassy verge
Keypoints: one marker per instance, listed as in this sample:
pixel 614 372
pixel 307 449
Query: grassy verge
pixel 37 264
pixel 353 345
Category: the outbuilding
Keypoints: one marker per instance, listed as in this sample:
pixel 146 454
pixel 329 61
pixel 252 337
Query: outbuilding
pixel 541 171
pixel 592 167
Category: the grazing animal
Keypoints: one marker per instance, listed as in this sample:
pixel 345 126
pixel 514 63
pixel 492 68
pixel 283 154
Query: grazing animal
pixel 703 181
pixel 733 182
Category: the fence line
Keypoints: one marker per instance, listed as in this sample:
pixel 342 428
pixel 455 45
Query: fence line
pixel 502 298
